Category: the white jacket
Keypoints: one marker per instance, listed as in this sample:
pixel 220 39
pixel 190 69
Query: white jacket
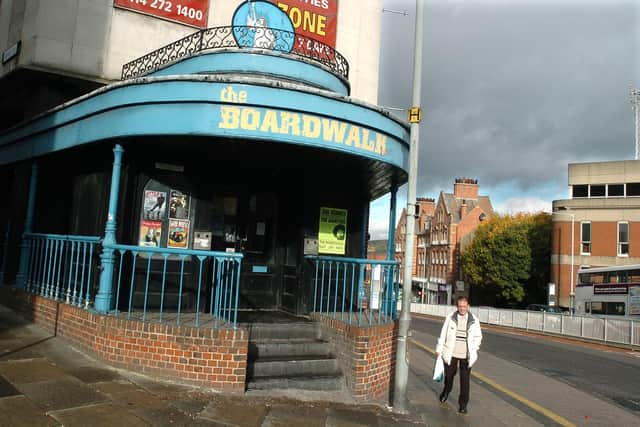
pixel 447 340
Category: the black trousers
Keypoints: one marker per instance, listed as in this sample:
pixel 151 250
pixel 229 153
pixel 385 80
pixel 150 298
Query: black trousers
pixel 465 373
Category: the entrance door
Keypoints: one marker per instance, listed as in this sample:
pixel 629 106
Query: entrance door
pixel 260 268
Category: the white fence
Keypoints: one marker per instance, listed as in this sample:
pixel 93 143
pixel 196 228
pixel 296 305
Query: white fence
pixel 605 329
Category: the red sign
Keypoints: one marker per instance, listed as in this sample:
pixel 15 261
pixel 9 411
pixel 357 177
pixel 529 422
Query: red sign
pixel 316 19
pixel 190 12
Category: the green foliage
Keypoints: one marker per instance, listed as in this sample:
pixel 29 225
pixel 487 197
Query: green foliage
pixel 507 263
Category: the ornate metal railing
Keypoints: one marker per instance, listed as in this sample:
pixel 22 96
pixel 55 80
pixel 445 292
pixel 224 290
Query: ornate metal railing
pixel 240 37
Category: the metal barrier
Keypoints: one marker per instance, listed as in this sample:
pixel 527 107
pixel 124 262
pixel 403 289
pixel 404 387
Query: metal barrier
pixel 240 37
pixel 357 291
pixel 606 329
pixel 63 267
pixel 169 279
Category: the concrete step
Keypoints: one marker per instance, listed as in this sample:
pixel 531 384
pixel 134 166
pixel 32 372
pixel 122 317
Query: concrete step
pixel 307 367
pixel 317 383
pixel 292 349
pixel 265 331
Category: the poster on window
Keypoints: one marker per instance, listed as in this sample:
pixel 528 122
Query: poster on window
pixel 178 233
pixel 179 205
pixel 634 300
pixel 332 233
pixel 150 233
pixel 154 205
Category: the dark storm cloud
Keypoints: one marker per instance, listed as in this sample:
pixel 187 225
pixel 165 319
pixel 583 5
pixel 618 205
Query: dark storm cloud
pixel 514 92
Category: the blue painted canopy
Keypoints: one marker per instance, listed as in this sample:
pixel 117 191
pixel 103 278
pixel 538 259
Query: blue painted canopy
pixel 247 108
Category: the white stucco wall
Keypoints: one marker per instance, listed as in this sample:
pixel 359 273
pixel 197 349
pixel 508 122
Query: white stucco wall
pixel 91 38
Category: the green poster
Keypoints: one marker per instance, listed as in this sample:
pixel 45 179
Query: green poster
pixel 333 231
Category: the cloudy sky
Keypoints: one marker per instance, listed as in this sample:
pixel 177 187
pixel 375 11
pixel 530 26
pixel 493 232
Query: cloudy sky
pixel 513 91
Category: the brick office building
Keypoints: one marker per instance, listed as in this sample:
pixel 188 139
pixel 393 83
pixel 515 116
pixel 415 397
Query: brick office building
pixel 604 209
pixel 455 218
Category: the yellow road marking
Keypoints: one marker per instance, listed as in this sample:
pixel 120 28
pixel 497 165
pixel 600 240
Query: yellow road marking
pixel 544 411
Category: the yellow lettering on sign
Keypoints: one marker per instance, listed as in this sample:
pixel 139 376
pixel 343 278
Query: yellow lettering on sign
pixel 381 144
pixel 333 130
pixel 290 123
pixel 230 118
pixel 270 122
pixel 311 126
pixel 354 136
pixel 250 119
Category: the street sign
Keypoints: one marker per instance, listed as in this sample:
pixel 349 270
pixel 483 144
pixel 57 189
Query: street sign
pixel 415 115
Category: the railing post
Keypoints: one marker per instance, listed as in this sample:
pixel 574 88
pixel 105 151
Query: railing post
pixel 107 258
pixel 21 276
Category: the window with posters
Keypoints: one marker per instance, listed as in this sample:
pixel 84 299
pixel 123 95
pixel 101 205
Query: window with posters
pixel 166 216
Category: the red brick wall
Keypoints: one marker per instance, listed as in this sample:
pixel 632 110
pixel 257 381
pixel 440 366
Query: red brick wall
pixel 366 354
pixel 206 357
pixel 466 191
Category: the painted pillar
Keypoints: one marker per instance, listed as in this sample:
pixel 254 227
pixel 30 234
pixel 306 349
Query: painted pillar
pixel 21 276
pixel 107 258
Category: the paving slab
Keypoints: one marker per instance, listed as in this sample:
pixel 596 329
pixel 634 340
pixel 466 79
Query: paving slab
pixel 20 411
pixel 113 387
pixel 102 415
pixel 292 416
pixel 138 399
pixel 236 413
pixel 164 417
pixel 29 371
pixel 7 389
pixel 62 393
pixel 191 407
pixel 343 417
pixel 91 374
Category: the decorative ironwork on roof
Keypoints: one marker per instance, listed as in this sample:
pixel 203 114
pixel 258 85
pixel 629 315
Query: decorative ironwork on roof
pixel 241 37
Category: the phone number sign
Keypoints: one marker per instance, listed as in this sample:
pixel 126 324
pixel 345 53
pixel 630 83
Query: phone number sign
pixel 189 12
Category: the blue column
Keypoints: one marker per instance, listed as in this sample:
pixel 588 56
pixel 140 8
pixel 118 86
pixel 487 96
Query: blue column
pixel 365 229
pixel 107 258
pixel 21 276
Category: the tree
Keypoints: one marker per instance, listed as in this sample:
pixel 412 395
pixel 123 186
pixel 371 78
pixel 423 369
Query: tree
pixel 508 260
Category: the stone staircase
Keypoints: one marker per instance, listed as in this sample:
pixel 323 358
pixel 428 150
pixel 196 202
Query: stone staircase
pixel 291 356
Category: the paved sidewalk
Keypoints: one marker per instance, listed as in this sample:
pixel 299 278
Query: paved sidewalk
pixel 44 381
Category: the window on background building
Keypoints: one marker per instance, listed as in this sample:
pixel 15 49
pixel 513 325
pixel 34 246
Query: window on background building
pixel 597 190
pixel 623 238
pixel 615 190
pixel 585 238
pixel 580 191
pixel 633 189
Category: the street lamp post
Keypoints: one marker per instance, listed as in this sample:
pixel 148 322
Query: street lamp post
pixel 402 365
pixel 572 294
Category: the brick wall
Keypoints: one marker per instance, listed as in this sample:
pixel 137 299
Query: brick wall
pixel 366 354
pixel 207 357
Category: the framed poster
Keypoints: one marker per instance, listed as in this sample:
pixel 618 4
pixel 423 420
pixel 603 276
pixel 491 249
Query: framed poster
pixel 179 205
pixel 150 233
pixel 154 205
pixel 178 233
pixel 332 234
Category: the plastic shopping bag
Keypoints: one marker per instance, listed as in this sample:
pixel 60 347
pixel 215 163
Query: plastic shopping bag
pixel 438 369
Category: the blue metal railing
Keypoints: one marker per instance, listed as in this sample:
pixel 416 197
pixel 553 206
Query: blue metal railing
pixel 357 291
pixel 62 267
pixel 169 280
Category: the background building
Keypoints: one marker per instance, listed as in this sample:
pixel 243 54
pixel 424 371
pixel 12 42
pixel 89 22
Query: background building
pixel 456 217
pixel 604 210
pixel 420 261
